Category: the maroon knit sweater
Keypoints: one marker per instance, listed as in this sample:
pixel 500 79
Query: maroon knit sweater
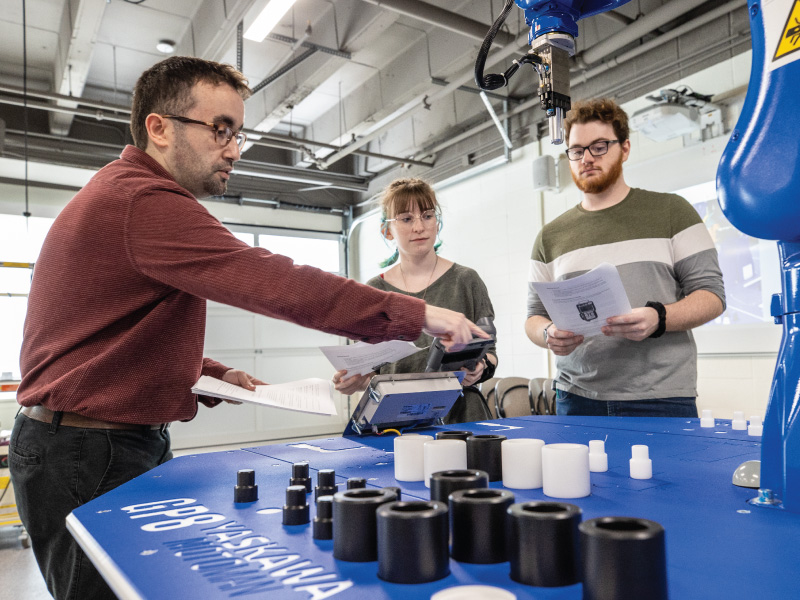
pixel 116 313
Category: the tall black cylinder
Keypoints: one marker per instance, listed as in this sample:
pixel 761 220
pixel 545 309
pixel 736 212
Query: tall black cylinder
pixel 355 534
pixel 444 483
pixel 484 453
pixel 412 542
pixel 478 525
pixel 543 543
pixel 453 435
pixel 624 558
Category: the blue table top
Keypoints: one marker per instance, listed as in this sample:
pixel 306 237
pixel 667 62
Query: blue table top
pixel 718 546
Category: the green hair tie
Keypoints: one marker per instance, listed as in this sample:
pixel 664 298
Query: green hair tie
pixel 390 261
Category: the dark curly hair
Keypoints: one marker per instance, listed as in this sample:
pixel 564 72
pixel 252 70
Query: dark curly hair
pixel 166 88
pixel 598 109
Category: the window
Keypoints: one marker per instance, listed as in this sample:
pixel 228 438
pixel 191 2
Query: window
pixel 319 249
pixel 20 242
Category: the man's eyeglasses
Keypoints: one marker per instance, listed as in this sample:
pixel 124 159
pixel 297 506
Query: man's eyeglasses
pixel 222 133
pixel 596 149
pixel 406 220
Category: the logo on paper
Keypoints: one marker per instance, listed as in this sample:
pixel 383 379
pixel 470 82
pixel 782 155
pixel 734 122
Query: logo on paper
pixel 587 311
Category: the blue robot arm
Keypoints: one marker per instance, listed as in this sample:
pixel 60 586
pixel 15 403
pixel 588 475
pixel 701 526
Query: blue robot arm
pixel 758 184
pixel 554 28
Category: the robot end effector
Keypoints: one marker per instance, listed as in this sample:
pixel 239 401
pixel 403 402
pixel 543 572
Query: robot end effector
pixel 552 38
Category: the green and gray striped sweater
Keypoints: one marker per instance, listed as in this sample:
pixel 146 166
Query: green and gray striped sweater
pixel 663 253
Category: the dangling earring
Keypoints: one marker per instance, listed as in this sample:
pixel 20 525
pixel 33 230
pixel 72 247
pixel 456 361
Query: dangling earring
pixel 439 241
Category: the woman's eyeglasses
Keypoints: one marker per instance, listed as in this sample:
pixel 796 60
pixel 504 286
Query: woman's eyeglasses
pixel 406 220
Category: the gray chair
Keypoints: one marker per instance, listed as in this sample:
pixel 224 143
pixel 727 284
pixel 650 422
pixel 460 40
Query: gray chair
pixel 488 391
pixel 511 397
pixel 542 396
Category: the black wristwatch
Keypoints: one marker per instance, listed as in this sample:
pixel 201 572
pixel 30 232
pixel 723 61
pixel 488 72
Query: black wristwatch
pixel 662 318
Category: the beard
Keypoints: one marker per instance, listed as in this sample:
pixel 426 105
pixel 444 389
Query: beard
pixel 191 173
pixel 599 183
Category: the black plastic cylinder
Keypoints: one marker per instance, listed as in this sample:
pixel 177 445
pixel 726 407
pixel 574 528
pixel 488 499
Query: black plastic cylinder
pixel 444 483
pixel 322 527
pixel 355 533
pixel 543 543
pixel 623 558
pixel 300 476
pixel 295 511
pixel 245 489
pixel 326 483
pixel 453 435
pixel 355 483
pixel 484 453
pixel 478 525
pixel 412 542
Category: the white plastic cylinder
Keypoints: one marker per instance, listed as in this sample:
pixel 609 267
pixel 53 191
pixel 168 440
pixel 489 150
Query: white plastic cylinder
pixel 640 464
pixel 598 459
pixel 738 420
pixel 522 463
pixel 443 455
pixel 755 427
pixel 409 458
pixel 707 419
pixel 565 471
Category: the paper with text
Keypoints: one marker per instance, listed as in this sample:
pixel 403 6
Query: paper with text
pixel 312 395
pixel 582 304
pixel 362 358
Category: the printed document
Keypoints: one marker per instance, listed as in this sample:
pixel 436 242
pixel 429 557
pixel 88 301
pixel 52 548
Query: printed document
pixel 313 395
pixel 582 304
pixel 363 358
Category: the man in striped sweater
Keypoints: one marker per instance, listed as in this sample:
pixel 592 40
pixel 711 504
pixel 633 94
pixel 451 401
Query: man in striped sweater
pixel 645 363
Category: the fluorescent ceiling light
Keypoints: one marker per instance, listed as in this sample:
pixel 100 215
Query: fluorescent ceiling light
pixel 266 21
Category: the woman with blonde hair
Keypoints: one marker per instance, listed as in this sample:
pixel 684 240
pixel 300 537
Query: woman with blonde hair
pixel 411 218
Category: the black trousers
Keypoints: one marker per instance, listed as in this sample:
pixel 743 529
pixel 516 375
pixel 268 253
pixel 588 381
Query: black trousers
pixel 55 469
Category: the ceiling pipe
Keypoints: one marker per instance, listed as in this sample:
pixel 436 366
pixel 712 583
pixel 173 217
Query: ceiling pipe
pixel 457 82
pixel 636 30
pixel 704 19
pixel 428 13
pixel 121 114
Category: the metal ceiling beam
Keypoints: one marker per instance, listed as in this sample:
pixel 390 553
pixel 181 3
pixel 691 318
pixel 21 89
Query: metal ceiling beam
pixel 433 15
pixel 80 23
pixel 704 19
pixel 636 30
pixel 433 95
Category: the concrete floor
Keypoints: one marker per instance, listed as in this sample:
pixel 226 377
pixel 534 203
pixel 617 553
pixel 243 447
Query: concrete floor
pixel 19 575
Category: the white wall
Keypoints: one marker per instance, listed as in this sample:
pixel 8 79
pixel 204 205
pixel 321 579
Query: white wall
pixel 491 221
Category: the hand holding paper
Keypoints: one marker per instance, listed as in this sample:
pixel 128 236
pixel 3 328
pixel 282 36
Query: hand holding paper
pixel 307 395
pixel 582 304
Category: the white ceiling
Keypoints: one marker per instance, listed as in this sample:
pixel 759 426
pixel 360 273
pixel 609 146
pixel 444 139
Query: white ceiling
pixel 371 61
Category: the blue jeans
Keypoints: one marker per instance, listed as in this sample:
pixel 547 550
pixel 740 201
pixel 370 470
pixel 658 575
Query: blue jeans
pixel 56 469
pixel 572 404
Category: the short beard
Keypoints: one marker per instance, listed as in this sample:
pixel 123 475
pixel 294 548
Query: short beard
pixel 598 185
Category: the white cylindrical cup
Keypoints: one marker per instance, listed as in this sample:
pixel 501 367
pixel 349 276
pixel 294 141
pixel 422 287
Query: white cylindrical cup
pixel 443 455
pixel 522 463
pixel 565 471
pixel 473 592
pixel 409 463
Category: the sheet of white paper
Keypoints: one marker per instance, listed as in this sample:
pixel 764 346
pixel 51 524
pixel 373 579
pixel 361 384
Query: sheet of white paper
pixel 582 304
pixel 362 358
pixel 312 395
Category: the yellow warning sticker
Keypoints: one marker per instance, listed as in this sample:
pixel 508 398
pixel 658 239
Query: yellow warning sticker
pixel 790 38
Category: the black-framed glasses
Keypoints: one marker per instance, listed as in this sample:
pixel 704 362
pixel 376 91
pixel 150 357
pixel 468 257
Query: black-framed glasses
pixel 596 149
pixel 222 133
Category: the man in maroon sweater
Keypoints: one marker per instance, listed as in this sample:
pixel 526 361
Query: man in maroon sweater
pixel 113 338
